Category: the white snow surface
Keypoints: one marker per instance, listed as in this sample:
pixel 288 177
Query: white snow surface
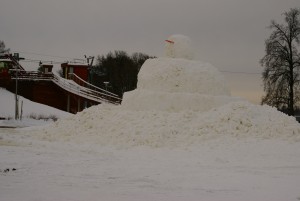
pixel 30 109
pixel 226 168
pixel 109 125
pixel 165 142
pixel 181 75
pixel 7 109
pixel 168 84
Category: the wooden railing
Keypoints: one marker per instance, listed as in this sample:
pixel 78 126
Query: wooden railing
pixel 30 75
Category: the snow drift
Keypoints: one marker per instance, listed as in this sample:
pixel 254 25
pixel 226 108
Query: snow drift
pixel 107 125
pixel 33 113
pixel 178 102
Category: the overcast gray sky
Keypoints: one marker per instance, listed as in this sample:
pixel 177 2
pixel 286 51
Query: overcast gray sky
pixel 229 34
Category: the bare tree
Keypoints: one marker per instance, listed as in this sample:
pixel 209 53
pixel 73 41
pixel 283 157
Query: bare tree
pixel 2 47
pixel 281 63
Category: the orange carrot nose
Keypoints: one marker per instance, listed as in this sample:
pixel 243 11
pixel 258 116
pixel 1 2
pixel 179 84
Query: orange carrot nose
pixel 169 41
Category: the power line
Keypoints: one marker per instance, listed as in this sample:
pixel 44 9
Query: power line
pixel 46 55
pixel 239 72
pixel 62 57
pixel 41 61
pixel 57 62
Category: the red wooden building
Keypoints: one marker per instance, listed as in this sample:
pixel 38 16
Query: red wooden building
pixel 47 88
pixel 81 70
pixel 46 68
pixel 5 66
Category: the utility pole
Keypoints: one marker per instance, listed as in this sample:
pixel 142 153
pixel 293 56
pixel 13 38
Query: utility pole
pixel 90 64
pixel 88 60
pixel 17 116
pixel 17 99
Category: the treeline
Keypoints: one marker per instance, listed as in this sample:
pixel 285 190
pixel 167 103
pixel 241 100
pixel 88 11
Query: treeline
pixel 117 71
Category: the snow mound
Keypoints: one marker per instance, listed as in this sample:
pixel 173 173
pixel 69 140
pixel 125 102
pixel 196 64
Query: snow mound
pixel 242 119
pixel 178 102
pixel 141 100
pixel 111 125
pixel 178 84
pixel 181 75
pixel 179 46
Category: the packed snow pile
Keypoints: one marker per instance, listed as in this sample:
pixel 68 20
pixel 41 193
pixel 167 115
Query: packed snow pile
pixel 178 102
pixel 181 75
pixel 108 125
pixel 177 84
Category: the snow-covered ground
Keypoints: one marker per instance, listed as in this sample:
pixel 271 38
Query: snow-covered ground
pixel 220 169
pixel 32 113
pixel 179 136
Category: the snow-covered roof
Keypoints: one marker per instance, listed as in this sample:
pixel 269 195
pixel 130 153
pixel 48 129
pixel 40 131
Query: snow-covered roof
pixel 77 64
pixel 5 60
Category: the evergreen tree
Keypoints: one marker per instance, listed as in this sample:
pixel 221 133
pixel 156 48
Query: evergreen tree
pixel 118 69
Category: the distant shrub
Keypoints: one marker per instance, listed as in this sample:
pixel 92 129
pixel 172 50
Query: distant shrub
pixel 43 117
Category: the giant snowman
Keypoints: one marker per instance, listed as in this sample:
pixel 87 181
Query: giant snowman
pixel 176 82
pixel 178 102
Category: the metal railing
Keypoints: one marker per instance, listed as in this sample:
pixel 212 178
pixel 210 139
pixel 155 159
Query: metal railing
pixel 73 87
pixel 84 83
pixel 30 75
pixel 87 91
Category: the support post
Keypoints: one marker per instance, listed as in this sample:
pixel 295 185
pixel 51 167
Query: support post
pixel 68 103
pixel 16 97
pixel 78 106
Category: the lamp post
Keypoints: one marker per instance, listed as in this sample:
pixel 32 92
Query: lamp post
pixel 17 58
pixel 17 99
pixel 106 84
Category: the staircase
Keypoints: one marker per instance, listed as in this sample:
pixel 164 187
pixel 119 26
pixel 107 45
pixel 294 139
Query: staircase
pixel 89 91
pixel 75 85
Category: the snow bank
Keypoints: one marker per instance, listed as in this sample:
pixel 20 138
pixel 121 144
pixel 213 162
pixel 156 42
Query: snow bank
pixel 109 125
pixel 7 108
pixel 243 119
pixel 30 110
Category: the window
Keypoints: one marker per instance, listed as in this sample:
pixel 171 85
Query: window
pixel 1 65
pixel 5 64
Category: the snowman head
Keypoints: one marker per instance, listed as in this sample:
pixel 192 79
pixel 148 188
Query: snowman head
pixel 179 46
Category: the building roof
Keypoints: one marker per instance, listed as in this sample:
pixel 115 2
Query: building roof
pixel 5 60
pixel 74 64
